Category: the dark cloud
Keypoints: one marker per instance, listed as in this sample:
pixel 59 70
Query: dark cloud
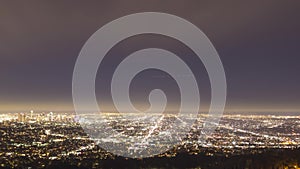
pixel 258 42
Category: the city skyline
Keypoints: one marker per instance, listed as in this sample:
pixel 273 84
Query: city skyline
pixel 57 139
pixel 150 84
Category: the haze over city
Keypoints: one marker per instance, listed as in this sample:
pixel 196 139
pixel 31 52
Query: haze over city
pixel 257 43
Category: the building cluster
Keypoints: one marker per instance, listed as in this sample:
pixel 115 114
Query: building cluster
pixel 46 137
pixel 32 117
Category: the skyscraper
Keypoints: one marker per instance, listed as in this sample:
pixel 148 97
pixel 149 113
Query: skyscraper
pixel 31 114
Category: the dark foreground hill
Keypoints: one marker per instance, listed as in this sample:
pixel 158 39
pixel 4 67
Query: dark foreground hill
pixel 269 159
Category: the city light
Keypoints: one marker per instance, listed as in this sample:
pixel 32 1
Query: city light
pixel 57 135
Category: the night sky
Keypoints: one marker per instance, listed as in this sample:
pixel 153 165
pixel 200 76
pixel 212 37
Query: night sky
pixel 258 43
